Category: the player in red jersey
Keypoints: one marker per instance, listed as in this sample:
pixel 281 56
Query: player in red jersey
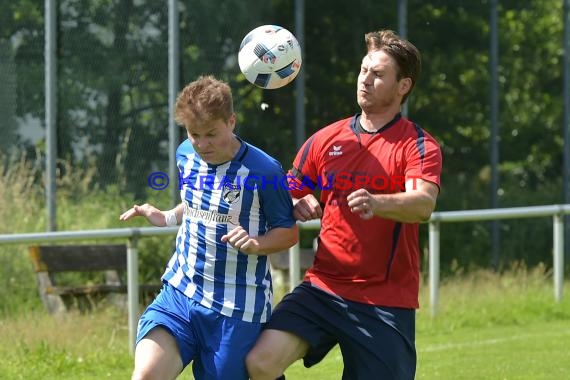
pixel 378 174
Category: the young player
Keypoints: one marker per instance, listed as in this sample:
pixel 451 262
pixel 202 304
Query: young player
pixel 217 291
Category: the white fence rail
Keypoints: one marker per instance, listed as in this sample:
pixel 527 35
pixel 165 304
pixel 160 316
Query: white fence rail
pixel 133 234
pixel 557 213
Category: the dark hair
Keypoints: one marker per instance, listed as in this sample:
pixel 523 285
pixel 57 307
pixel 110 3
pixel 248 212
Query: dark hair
pixel 406 55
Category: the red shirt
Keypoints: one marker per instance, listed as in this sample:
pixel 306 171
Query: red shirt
pixel 375 261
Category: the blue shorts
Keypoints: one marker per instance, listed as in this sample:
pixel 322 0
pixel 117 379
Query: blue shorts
pixel 376 342
pixel 216 344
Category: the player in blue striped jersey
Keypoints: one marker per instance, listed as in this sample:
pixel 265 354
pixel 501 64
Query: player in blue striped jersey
pixel 234 212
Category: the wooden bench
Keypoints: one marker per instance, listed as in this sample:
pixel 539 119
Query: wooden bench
pixel 102 264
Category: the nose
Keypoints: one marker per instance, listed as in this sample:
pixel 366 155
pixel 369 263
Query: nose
pixel 199 143
pixel 366 78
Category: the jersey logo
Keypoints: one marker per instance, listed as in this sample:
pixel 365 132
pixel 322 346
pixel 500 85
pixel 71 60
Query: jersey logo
pixel 231 193
pixel 207 215
pixel 336 150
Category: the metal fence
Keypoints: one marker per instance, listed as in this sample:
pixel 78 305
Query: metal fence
pixel 134 234
pixel 557 213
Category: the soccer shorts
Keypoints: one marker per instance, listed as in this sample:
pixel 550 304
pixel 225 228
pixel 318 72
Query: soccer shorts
pixel 375 342
pixel 216 344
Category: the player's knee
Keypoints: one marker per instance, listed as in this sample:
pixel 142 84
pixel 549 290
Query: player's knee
pixel 260 366
pixel 147 373
pixel 140 375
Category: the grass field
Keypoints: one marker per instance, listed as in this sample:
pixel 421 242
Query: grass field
pixel 489 327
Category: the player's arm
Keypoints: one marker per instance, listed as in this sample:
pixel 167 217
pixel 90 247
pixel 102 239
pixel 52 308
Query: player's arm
pixel 305 204
pixel 275 240
pixel 412 206
pixel 155 216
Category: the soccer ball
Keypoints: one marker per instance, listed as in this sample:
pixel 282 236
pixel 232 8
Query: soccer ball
pixel 270 56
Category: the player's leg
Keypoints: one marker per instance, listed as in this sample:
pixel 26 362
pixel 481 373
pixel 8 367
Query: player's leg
pixel 294 331
pixel 274 351
pixel 224 343
pixel 165 341
pixel 157 356
pixel 378 342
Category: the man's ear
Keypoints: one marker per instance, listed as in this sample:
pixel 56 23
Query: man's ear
pixel 232 121
pixel 404 86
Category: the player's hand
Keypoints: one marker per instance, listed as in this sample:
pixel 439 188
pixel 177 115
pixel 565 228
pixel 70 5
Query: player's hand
pixel 240 240
pixel 151 213
pixel 362 202
pixel 307 208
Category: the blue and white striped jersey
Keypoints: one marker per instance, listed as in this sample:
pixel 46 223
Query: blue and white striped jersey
pixel 251 191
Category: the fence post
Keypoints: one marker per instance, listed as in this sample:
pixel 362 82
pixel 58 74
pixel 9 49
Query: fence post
pixel 132 289
pixel 558 255
pixel 294 266
pixel 434 266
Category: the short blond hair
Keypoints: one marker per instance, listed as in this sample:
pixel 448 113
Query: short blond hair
pixel 204 100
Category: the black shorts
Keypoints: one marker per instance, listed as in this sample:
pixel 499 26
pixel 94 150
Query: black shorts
pixel 376 342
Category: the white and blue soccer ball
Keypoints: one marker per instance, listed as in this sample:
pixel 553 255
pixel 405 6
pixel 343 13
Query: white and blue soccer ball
pixel 270 56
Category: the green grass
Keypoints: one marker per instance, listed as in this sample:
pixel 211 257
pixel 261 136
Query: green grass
pixel 74 346
pixel 489 327
pixel 536 350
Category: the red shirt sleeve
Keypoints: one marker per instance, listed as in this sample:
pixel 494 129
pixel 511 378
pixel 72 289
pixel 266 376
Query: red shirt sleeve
pixel 302 177
pixel 424 159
